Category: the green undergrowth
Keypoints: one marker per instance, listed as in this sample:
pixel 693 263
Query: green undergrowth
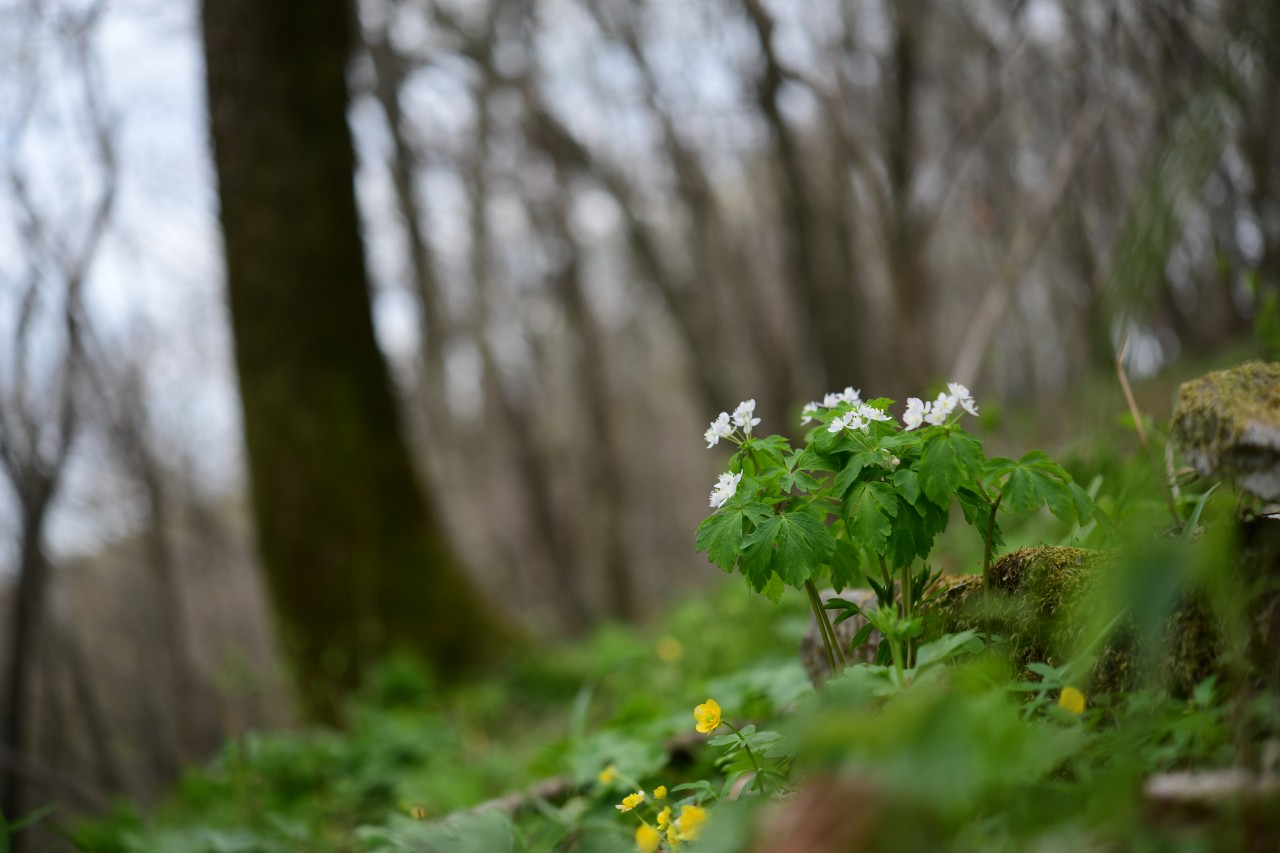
pixel 967 744
pixel 415 752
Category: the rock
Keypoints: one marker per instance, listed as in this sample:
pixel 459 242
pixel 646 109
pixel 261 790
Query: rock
pixel 1227 424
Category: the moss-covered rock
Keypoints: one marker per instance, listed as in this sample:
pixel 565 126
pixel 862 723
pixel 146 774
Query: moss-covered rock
pixel 1227 424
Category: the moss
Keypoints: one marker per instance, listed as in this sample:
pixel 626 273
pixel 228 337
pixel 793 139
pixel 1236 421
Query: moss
pixel 1044 602
pixel 1228 423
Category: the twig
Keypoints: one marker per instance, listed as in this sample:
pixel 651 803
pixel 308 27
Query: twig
pixel 1142 432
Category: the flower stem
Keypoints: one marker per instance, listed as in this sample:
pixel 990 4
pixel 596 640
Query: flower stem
pixel 760 783
pixel 824 626
pixel 907 607
pixel 986 556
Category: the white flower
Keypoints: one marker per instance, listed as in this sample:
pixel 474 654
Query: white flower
pixel 742 415
pixel 725 489
pixel 719 429
pixel 962 394
pixel 848 395
pixel 809 412
pixel 871 413
pixel 935 414
pixel 849 420
pixel 914 415
pixel 946 403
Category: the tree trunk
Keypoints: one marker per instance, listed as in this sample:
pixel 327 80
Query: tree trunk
pixel 354 562
pixel 27 616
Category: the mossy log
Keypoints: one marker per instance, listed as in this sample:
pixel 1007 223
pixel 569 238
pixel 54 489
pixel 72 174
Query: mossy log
pixel 1049 602
pixel 1227 424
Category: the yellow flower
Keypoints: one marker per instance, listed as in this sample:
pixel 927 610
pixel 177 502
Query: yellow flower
pixel 670 650
pixel 1071 700
pixel 630 801
pixel 660 792
pixel 608 774
pixel 689 824
pixel 708 717
pixel 664 818
pixel 647 838
pixel 673 838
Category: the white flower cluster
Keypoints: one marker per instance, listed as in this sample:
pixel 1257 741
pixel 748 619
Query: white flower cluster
pixel 726 488
pixel 937 412
pixel 830 401
pixel 858 418
pixel 725 425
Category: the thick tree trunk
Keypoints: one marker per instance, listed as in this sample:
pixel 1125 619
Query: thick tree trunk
pixel 24 631
pixel 354 563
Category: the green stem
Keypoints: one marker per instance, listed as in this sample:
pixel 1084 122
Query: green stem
pixel 824 627
pixel 751 755
pixel 986 556
pixel 884 573
pixel 908 606
pixel 825 619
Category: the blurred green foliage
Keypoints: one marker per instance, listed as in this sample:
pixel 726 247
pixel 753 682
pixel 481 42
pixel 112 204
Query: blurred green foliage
pixel 970 754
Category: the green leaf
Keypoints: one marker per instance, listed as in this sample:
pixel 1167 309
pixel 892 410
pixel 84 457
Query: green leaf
pixel 1032 482
pixel 757 552
pixel 907 482
pixel 794 546
pixel 811 460
pixel 801 481
pixel 909 539
pixel 862 636
pixel 846 478
pixel 950 459
pixel 773 588
pixel 774 447
pixel 946 647
pixel 868 513
pixel 845 567
pixel 721 533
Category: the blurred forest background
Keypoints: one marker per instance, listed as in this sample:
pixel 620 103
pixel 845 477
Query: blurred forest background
pixel 588 227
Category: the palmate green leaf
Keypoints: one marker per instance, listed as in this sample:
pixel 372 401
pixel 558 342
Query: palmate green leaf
pixel 800 480
pixel 811 460
pixel 854 441
pixel 1032 482
pixel 846 568
pixel 721 534
pixel 914 530
pixel 907 482
pixel 774 448
pixel 794 545
pixel 858 462
pixel 977 514
pixel 950 458
pixel 868 512
pixel 773 588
